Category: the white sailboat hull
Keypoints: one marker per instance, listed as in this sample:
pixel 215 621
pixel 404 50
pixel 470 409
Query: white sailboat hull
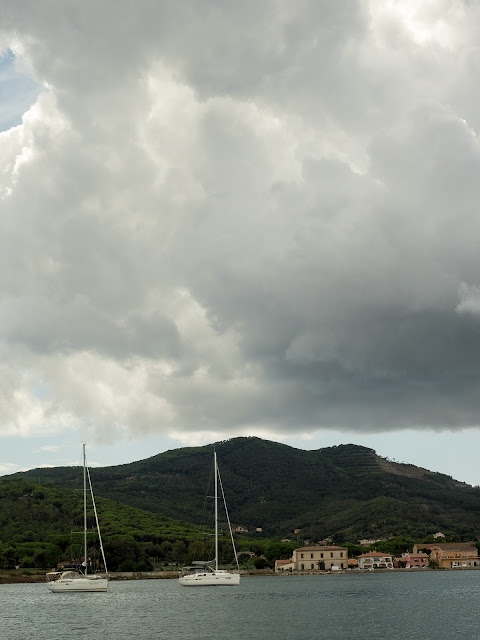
pixel 64 585
pixel 210 579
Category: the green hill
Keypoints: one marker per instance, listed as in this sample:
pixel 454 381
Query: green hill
pixel 345 492
pixel 43 525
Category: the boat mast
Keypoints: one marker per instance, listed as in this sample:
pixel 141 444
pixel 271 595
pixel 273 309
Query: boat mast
pixel 85 507
pixel 228 520
pixel 96 520
pixel 216 508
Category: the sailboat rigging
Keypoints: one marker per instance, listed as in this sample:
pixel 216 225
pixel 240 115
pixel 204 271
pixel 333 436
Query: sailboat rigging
pixel 63 581
pixel 202 573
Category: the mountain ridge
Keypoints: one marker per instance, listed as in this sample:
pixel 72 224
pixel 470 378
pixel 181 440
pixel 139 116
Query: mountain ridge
pixel 347 491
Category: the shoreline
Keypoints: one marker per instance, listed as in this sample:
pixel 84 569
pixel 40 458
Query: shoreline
pixel 26 578
pixel 14 577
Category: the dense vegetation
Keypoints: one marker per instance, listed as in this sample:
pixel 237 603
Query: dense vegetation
pixel 41 526
pixel 345 492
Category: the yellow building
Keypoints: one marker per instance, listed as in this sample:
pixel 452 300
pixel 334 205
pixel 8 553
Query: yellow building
pixel 320 558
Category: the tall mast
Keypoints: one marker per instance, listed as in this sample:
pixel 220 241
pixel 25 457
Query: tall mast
pixel 85 507
pixel 216 508
pixel 228 519
pixel 96 518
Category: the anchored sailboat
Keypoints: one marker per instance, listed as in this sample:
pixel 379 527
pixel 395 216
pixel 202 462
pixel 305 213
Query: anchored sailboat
pixel 203 574
pixel 63 581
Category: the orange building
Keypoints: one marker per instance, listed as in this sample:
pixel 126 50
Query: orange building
pixel 452 555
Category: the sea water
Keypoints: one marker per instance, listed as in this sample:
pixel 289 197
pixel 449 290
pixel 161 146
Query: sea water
pixel 441 605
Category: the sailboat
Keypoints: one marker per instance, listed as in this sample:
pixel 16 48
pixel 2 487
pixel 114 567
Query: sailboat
pixel 76 581
pixel 207 574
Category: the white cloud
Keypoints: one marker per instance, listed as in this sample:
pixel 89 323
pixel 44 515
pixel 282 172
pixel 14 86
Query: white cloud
pixel 8 467
pixel 430 23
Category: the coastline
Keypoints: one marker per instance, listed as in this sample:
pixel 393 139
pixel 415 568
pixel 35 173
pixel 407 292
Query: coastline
pixel 14 577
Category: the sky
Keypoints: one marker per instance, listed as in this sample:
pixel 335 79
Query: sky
pixel 223 219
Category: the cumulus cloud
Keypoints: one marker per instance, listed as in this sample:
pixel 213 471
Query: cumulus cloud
pixel 241 219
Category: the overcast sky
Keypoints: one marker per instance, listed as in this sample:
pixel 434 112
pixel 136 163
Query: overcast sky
pixel 239 218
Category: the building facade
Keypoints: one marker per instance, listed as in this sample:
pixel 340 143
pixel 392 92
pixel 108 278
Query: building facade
pixel 375 560
pixel 411 561
pixel 284 565
pixel 320 558
pixel 451 555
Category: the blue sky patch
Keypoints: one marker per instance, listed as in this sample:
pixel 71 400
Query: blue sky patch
pixel 18 91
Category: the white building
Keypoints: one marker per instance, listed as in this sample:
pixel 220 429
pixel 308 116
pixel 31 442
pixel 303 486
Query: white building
pixel 375 560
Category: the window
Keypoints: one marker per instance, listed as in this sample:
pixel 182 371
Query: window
pixel 341 555
pixel 301 555
pixel 331 555
pixel 311 555
pixel 312 566
pixel 321 555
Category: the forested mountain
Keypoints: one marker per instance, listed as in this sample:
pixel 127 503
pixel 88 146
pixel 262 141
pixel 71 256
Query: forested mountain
pixel 345 492
pixel 40 526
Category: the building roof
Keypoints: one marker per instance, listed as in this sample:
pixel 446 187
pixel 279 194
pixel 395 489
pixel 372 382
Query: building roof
pixel 375 554
pixel 321 548
pixel 283 561
pixel 450 546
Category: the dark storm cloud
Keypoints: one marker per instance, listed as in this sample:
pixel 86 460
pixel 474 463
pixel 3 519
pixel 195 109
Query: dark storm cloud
pixel 242 217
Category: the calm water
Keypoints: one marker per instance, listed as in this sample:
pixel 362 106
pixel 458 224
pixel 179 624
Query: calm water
pixel 410 606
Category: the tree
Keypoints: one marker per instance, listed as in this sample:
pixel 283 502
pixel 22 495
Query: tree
pixel 260 563
pixel 196 551
pixel 27 562
pixel 278 551
pixel 179 550
pixel 40 559
pixel 127 566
